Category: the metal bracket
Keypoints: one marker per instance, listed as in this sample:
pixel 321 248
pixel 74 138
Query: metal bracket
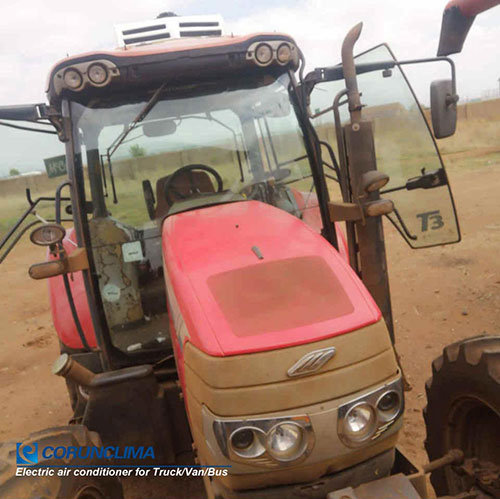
pixel 60 124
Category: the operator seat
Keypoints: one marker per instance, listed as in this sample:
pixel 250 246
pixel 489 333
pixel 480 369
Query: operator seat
pixel 201 180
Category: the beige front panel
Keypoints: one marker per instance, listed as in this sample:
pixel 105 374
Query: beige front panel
pixel 257 385
pixel 272 366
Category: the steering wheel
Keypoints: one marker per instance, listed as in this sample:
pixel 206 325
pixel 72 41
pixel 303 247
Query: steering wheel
pixel 278 174
pixel 169 184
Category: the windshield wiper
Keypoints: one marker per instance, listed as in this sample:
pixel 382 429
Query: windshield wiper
pixel 142 114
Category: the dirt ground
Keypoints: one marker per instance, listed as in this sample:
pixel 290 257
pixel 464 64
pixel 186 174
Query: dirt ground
pixel 440 295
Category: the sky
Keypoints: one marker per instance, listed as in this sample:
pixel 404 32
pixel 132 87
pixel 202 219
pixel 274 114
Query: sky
pixel 35 34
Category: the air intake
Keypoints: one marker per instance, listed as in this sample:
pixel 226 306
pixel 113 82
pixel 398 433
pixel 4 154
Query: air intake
pixel 164 28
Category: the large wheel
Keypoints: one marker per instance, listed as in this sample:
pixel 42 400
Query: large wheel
pixel 55 487
pixel 463 408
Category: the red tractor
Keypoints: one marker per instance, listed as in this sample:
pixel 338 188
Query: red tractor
pixel 205 296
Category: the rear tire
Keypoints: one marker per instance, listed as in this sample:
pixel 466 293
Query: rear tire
pixel 463 407
pixel 56 487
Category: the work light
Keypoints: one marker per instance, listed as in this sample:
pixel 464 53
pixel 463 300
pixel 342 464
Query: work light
pixel 97 74
pixel 48 234
pixel 284 53
pixel 73 79
pixel 263 53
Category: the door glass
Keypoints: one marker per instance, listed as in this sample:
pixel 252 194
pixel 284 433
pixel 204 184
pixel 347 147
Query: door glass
pixel 405 149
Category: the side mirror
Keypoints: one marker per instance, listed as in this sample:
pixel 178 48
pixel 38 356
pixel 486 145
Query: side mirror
pixel 443 108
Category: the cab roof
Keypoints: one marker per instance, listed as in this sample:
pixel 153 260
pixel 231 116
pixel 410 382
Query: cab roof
pixel 173 57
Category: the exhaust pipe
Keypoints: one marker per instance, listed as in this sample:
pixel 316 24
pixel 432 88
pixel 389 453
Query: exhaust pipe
pixel 68 368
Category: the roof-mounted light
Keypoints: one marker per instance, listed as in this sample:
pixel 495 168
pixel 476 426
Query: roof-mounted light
pixel 79 76
pixel 273 51
pixel 72 79
pixel 263 54
pixel 284 53
pixel 97 73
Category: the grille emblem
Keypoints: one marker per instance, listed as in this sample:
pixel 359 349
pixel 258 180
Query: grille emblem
pixel 311 362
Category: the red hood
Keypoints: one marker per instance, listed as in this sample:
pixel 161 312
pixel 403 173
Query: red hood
pixel 232 302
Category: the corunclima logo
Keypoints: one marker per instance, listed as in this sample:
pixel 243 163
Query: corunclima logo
pixel 26 454
pixel 30 454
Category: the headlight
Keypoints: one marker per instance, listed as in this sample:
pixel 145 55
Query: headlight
pixel 247 442
pixel 389 404
pixel 359 422
pixel 275 440
pixel 368 417
pixel 285 442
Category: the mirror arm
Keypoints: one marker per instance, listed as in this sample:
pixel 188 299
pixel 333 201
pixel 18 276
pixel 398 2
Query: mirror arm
pixel 336 73
pixel 436 59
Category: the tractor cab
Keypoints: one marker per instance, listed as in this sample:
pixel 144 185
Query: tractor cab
pixel 184 143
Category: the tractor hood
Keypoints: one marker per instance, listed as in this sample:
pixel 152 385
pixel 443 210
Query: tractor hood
pixel 247 277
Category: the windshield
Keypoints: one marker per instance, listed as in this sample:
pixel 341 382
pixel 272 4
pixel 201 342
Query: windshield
pixel 188 152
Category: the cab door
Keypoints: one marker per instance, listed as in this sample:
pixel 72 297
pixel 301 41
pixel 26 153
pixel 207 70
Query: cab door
pixel 405 150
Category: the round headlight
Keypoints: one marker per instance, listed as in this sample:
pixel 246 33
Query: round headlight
pixel 285 442
pixel 247 442
pixel 263 53
pixel 284 53
pixel 389 404
pixel 242 439
pixel 48 234
pixel 97 73
pixel 359 422
pixel 73 79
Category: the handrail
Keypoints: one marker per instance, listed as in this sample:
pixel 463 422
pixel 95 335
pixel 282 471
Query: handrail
pixel 30 210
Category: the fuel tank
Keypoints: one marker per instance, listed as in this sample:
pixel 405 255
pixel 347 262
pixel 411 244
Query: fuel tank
pixel 247 277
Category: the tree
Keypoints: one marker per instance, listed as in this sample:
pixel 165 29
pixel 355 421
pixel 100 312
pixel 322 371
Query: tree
pixel 14 171
pixel 136 151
